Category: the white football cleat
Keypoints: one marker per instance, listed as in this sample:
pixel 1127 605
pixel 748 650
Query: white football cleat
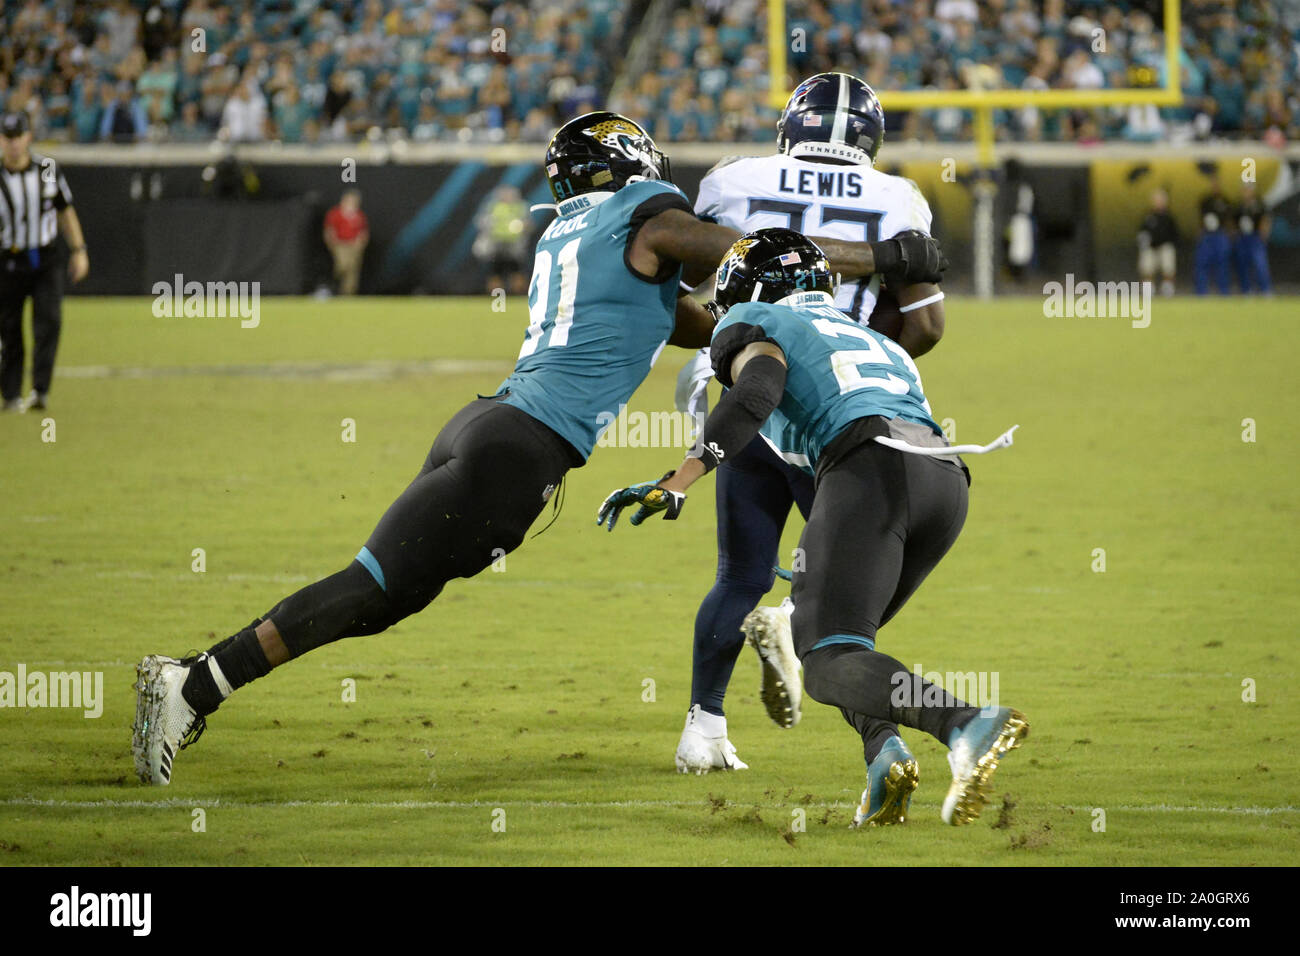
pixel 704 745
pixel 165 723
pixel 767 630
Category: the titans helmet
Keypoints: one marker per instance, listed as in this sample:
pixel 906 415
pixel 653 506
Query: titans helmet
pixel 832 116
pixel 767 266
pixel 602 152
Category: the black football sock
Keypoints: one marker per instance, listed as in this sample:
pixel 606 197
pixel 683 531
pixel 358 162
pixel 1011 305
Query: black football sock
pixel 238 660
pixel 222 645
pixel 874 732
pixel 852 677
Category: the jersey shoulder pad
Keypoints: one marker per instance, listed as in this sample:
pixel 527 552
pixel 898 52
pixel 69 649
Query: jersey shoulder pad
pixel 723 163
pixel 633 194
pixel 744 324
pixel 912 208
pixel 637 202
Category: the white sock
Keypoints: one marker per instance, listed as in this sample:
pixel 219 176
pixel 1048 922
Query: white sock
pixel 711 725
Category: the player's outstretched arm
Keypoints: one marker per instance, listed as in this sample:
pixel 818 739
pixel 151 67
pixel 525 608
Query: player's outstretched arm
pixel 754 389
pixel 699 246
pixel 678 236
pixel 757 382
pixel 906 259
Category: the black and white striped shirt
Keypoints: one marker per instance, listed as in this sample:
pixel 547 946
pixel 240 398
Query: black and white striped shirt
pixel 30 202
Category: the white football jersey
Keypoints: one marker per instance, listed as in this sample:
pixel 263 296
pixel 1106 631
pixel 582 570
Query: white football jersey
pixel 853 203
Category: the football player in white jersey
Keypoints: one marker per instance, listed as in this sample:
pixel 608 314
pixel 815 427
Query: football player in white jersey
pixel 822 181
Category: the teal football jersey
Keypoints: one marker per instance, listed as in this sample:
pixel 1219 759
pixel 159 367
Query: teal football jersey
pixel 595 328
pixel 839 371
pixel 784 438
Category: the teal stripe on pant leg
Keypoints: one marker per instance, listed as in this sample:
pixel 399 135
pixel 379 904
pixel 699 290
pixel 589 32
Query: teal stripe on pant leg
pixel 369 562
pixel 868 642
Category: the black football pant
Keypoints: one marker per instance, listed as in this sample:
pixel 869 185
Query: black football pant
pixel 881 520
pixel 44 286
pixel 490 473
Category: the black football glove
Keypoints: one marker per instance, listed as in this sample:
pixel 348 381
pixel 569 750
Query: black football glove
pixel 648 495
pixel 910 258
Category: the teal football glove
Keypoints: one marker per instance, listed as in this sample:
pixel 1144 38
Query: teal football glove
pixel 648 495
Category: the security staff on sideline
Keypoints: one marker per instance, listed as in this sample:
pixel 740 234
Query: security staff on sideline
pixel 35 205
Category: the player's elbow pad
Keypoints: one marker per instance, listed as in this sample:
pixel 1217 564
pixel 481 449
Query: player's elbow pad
pixel 742 411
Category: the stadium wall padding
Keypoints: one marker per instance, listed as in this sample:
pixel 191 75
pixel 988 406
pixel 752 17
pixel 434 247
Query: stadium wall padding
pixel 207 240
pixel 422 221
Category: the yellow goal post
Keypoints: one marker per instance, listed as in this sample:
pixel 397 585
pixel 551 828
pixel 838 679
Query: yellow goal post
pixel 982 103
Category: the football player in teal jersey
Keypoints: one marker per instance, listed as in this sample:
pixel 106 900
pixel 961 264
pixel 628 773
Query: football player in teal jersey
pixel 890 501
pixel 824 177
pixel 603 302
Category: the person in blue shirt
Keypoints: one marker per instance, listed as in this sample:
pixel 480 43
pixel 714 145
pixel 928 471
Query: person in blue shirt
pixel 890 501
pixel 605 299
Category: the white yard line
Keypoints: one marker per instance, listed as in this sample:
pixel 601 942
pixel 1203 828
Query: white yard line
pixel 364 371
pixel 172 803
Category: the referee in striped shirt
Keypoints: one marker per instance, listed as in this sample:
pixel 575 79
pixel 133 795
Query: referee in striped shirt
pixel 35 204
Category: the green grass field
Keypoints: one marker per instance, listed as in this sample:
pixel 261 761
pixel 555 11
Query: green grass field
pixel 523 690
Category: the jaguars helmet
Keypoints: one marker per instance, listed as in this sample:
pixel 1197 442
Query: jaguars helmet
pixel 768 265
pixel 602 152
pixel 832 116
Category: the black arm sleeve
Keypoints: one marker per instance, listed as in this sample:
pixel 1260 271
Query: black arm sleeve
pixel 742 410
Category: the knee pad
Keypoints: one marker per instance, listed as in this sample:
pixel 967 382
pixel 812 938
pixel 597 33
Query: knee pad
pixel 817 667
pixel 735 576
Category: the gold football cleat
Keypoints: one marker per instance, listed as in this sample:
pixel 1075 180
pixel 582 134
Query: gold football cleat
pixel 973 767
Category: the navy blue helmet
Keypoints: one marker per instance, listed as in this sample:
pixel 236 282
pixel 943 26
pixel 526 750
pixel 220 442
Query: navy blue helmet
pixel 832 116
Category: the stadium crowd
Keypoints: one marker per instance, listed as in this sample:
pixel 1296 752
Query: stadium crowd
pixel 338 70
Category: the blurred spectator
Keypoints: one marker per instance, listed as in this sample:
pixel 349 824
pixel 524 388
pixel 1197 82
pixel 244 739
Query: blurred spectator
pixel 157 85
pixel 123 119
pixel 86 113
pixel 377 63
pixel 503 240
pixel 1213 248
pixel 337 99
pixel 120 23
pixel 291 115
pixel 1157 240
pixel 190 128
pixel 1250 250
pixel 244 116
pixel 346 234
